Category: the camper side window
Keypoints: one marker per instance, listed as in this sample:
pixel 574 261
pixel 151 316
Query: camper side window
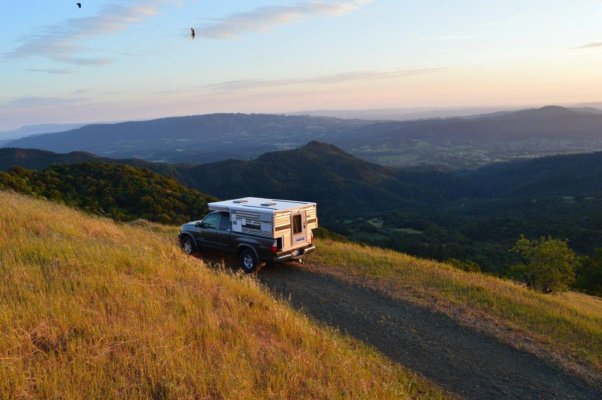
pixel 297 224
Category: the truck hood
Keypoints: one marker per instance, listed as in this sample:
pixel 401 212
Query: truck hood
pixel 189 225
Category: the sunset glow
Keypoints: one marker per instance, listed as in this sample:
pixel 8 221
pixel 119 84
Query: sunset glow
pixel 111 61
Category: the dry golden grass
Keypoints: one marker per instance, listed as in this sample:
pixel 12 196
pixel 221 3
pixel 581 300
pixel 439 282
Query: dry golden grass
pixel 566 328
pixel 93 309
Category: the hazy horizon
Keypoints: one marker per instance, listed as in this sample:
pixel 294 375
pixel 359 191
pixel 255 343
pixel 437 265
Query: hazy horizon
pixel 132 60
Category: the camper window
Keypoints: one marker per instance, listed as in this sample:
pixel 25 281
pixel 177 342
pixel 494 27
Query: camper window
pixel 297 224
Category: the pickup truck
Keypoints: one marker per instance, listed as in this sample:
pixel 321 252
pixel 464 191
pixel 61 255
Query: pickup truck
pixel 235 228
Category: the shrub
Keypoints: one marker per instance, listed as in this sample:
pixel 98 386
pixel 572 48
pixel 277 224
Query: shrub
pixel 589 274
pixel 468 265
pixel 548 264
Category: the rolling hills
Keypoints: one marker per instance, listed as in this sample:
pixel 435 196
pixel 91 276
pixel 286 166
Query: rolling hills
pixel 95 309
pixel 194 139
pixel 344 186
pixel 458 142
pixel 472 215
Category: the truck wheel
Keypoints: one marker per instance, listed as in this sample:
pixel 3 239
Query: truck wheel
pixel 188 245
pixel 248 261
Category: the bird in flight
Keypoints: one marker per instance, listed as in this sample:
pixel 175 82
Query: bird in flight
pixel 79 5
pixel 192 33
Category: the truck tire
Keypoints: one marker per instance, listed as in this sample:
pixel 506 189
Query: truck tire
pixel 188 245
pixel 248 261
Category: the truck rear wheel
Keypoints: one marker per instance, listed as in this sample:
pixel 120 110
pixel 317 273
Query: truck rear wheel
pixel 248 260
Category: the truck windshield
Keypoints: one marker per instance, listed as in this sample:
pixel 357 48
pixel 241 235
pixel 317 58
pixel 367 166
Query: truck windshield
pixel 210 222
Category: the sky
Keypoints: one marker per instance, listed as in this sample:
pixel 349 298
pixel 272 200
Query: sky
pixel 133 59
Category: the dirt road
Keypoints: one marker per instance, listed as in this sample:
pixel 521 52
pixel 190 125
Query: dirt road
pixel 462 361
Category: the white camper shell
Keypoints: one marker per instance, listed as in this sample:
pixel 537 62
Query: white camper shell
pixel 287 221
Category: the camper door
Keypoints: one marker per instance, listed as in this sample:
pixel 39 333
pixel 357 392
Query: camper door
pixel 298 225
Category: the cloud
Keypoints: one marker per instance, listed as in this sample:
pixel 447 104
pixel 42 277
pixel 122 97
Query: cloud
pixel 59 42
pixel 594 45
pixel 263 18
pixel 56 71
pixel 452 37
pixel 323 79
pixel 33 102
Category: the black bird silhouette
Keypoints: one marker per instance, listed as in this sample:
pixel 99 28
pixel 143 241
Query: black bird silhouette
pixel 79 5
pixel 192 33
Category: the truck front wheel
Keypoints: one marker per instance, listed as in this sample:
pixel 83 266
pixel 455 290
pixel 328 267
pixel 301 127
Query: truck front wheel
pixel 248 260
pixel 188 245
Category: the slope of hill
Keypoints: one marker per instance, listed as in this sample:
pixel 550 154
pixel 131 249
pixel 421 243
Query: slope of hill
pixel 194 139
pixel 92 309
pixel 567 175
pixel 566 328
pixel 38 159
pixel 452 142
pixel 119 191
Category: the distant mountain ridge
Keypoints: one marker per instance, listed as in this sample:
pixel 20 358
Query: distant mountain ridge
pixel 29 130
pixel 194 139
pixel 460 142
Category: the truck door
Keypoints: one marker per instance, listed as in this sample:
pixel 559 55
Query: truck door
pixel 299 228
pixel 222 235
pixel 206 232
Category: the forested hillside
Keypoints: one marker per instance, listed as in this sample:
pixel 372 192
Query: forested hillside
pixel 343 185
pixel 119 191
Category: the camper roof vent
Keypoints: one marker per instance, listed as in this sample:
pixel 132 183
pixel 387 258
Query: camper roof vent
pixel 240 201
pixel 268 204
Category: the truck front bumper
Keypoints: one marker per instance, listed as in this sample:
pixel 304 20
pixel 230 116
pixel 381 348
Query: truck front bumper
pixel 294 255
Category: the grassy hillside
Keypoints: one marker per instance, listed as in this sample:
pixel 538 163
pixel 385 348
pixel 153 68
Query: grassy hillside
pixel 94 309
pixel 566 327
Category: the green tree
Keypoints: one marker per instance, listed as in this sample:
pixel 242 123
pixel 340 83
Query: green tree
pixel 548 264
pixel 589 274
